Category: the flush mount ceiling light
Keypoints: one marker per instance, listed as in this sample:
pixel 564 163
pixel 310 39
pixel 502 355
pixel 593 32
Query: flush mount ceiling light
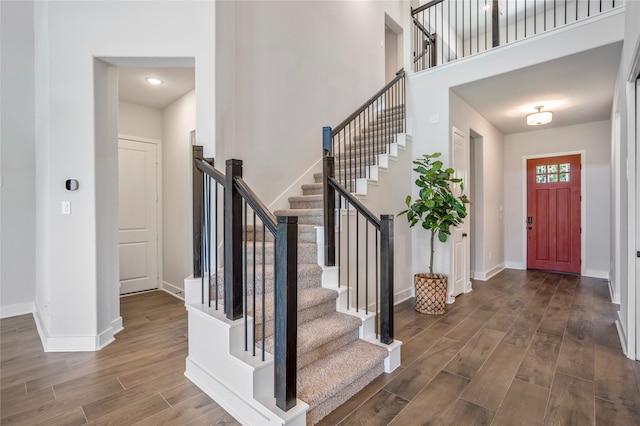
pixel 153 81
pixel 540 117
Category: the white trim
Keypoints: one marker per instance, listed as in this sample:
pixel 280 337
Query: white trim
pixel 466 278
pixel 615 298
pixel 173 290
pixel 594 273
pixel 71 343
pixel 14 310
pixel 583 202
pixel 282 200
pixel 621 334
pixel 485 276
pixel 515 265
pixel 116 325
pixel 632 291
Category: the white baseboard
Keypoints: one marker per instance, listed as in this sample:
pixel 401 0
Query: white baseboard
pixel 515 265
pixel 74 343
pixel 172 290
pixel 8 311
pixel 622 335
pixel 117 326
pixel 594 273
pixel 487 275
pixel 614 295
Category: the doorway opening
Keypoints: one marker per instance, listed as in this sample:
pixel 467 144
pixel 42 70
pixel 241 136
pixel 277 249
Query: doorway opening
pixel 154 124
pixel 392 48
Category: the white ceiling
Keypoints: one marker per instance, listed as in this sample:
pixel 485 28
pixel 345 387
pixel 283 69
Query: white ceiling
pixel 577 89
pixel 133 88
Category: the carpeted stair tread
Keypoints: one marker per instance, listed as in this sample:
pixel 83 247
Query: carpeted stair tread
pixel 307 299
pixel 306 233
pixel 322 379
pixel 306 202
pixel 307 252
pixel 312 189
pixel 305 216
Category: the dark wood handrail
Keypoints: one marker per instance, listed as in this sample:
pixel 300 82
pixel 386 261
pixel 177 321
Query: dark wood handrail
pixel 426 32
pixel 425 7
pixel 258 206
pixel 354 202
pixel 210 170
pixel 366 105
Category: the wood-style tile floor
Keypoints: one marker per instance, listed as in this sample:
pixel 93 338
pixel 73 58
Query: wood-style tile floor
pixel 138 379
pixel 522 348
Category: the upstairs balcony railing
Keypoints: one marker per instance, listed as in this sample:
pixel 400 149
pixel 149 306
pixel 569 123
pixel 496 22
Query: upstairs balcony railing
pixel 446 30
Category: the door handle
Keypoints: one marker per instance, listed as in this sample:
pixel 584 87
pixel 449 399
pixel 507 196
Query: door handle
pixel 464 234
pixel 529 228
pixel 529 220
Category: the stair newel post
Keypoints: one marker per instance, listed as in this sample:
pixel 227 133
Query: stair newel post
pixel 329 199
pixel 286 311
pixel 198 179
pixel 233 242
pixel 386 279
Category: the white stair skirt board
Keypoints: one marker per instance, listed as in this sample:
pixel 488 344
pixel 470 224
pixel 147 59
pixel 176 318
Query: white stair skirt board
pixel 402 139
pixel 372 173
pixel 217 363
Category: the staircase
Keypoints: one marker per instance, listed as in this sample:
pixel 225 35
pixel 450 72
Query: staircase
pixel 338 353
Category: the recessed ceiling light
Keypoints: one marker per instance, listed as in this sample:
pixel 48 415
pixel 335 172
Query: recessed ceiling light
pixel 153 81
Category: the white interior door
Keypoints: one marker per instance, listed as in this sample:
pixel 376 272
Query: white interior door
pixel 461 248
pixel 138 198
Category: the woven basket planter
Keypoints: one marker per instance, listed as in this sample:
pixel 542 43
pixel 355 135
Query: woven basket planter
pixel 431 293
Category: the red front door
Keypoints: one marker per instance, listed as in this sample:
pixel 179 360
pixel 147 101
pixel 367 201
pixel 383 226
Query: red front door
pixel 553 214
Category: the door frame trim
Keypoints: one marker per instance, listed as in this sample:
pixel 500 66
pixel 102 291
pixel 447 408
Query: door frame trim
pixel 467 284
pixel 159 227
pixel 583 203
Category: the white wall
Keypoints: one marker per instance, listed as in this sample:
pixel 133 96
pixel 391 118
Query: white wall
pixel 179 119
pixel 428 92
pixel 139 120
pixel 623 245
pixel 594 139
pixel 488 204
pixel 18 192
pixel 298 66
pixel 76 135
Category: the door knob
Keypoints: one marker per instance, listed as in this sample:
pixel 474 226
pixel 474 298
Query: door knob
pixel 464 234
pixel 529 228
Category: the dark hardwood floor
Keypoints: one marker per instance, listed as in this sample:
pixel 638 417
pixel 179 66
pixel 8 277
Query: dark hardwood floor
pixel 523 348
pixel 138 379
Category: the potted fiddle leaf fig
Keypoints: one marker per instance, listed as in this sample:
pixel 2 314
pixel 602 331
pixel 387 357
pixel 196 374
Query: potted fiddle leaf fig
pixel 437 208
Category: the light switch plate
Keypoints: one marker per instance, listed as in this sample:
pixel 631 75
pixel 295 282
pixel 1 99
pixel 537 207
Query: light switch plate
pixel 66 207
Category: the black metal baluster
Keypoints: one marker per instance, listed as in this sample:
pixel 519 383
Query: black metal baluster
pixel 209 247
pixel 264 290
pixel 357 261
pixel 255 286
pixel 377 283
pixel 217 237
pixel 348 254
pixel 366 270
pixel 245 279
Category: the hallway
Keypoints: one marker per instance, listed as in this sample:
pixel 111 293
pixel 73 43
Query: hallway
pixel 522 348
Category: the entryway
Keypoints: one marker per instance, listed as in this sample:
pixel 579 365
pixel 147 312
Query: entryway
pixel 554 214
